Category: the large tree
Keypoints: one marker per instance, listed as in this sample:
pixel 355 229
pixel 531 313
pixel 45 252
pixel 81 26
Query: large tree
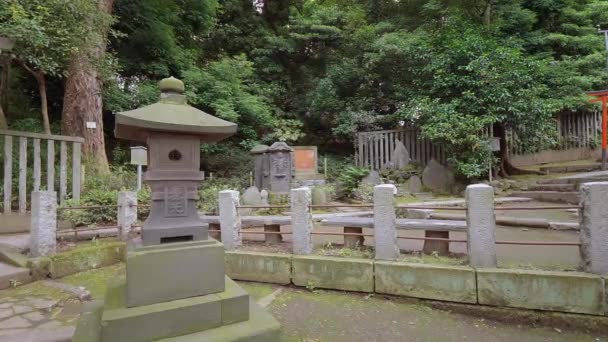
pixel 82 103
pixel 46 33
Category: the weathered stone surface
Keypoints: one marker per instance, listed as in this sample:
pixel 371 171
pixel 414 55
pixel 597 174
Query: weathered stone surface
pixel 83 259
pixel 438 177
pixel 333 273
pixel 414 185
pixel 301 220
pixel 319 195
pixel 260 267
pixel 127 212
pixel 15 322
pixel 541 290
pixel 385 232
pixel 174 271
pixel 594 227
pixel 264 197
pixel 400 156
pixel 373 178
pixel 281 168
pixel 450 283
pixel 262 327
pixel 173 318
pixel 43 239
pixel 230 219
pixel 481 221
pixel 252 196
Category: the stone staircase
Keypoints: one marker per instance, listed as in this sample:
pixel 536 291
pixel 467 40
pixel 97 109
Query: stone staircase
pixel 13 269
pixel 559 190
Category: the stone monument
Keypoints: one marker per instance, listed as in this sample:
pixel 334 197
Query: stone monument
pixel 261 167
pixel 281 167
pixel 175 284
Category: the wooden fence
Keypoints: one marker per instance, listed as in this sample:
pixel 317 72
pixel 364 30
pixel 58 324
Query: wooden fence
pixel 39 140
pixel 375 149
pixel 577 137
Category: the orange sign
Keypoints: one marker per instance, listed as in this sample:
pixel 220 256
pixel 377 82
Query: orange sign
pixel 305 160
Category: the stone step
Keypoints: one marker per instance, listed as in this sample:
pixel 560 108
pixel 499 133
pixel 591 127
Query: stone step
pixel 570 168
pixel 12 275
pixel 553 187
pixel 573 180
pixel 550 196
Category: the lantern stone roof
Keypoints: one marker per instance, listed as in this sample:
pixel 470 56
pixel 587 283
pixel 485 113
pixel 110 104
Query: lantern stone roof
pixel 280 146
pixel 258 149
pixel 171 114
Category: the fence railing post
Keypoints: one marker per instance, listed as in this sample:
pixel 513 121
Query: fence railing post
pixel 385 231
pixel 230 220
pixel 301 220
pixel 127 213
pixel 594 227
pixel 43 229
pixel 481 222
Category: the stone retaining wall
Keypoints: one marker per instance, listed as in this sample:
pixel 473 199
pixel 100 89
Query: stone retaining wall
pixel 572 292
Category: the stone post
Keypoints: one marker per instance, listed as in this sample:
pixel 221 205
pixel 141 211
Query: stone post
pixel 481 222
pixel 230 220
pixel 43 230
pixel 594 227
pixel 301 220
pixel 385 232
pixel 127 213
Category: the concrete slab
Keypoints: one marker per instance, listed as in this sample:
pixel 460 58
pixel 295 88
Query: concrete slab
pixel 449 283
pixel 260 267
pixel 86 258
pixel 347 274
pixel 541 290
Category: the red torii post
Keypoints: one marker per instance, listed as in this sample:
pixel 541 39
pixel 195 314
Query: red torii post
pixel 602 96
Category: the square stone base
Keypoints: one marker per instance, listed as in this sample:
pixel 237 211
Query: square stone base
pixel 253 324
pixel 167 272
pixel 261 327
pixel 175 318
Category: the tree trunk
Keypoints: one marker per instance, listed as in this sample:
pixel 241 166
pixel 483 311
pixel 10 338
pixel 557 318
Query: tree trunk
pixel 82 100
pixel 487 13
pixel 506 168
pixel 44 106
pixel 3 90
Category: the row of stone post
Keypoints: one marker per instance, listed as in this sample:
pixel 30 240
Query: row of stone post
pixel 481 222
pixel 43 224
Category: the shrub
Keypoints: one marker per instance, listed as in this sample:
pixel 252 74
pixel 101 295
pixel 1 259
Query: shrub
pixel 349 180
pixel 208 193
pixel 364 193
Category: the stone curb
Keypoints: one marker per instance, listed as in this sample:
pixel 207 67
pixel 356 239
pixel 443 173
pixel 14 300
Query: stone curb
pixel 585 293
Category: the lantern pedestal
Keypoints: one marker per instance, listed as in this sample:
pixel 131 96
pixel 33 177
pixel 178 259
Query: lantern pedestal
pixel 177 292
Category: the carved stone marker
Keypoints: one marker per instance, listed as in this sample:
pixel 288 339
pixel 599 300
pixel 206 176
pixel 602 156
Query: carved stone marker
pixel 175 284
pixel 261 167
pixel 281 168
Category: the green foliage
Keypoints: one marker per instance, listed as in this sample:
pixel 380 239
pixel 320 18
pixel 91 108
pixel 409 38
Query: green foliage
pixel 349 180
pixel 209 192
pixel 400 176
pixel 364 193
pixel 47 32
pixel 103 190
pixel 86 217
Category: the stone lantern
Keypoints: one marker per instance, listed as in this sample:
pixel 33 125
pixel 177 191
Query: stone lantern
pixel 175 283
